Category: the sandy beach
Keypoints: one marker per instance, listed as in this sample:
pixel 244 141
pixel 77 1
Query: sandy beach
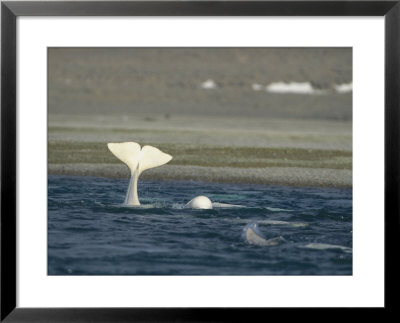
pixel 228 133
pixel 287 176
pixel 212 150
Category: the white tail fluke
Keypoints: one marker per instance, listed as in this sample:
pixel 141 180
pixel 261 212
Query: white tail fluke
pixel 127 152
pixel 138 160
pixel 152 157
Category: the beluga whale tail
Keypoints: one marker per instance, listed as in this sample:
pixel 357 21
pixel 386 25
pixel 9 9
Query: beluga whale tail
pixel 138 160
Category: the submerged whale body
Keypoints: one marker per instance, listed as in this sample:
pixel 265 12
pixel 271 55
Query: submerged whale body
pixel 138 160
pixel 200 202
pixel 255 238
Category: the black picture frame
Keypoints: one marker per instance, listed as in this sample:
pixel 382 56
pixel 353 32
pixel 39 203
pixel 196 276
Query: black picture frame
pixel 10 10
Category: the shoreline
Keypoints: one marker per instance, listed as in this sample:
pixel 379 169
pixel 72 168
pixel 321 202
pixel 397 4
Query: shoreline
pixel 284 176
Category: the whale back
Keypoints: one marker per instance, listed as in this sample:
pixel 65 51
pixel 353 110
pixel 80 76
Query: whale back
pixel 199 202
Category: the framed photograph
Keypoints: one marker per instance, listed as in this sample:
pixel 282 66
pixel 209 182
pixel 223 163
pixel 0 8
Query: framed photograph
pixel 193 160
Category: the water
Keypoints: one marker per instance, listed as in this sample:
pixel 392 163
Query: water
pixel 90 232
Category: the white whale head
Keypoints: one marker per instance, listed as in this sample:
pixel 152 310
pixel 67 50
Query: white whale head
pixel 199 202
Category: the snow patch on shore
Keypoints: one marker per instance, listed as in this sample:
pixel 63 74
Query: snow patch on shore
pixel 209 85
pixel 344 88
pixel 292 87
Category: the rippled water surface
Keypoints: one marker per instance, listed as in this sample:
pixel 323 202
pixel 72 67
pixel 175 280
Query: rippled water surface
pixel 90 232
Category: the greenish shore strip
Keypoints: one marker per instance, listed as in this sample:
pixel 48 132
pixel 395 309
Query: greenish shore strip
pixel 287 176
pixel 68 152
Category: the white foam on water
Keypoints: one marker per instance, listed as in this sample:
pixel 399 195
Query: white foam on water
pixel 178 206
pixel 275 209
pixel 272 222
pixel 275 222
pixel 326 246
pixel 141 206
pixel 225 205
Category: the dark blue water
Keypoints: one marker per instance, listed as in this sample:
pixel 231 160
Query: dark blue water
pixel 90 232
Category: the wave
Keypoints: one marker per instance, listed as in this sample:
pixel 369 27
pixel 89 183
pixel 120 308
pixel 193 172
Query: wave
pixel 273 222
pixel 326 246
